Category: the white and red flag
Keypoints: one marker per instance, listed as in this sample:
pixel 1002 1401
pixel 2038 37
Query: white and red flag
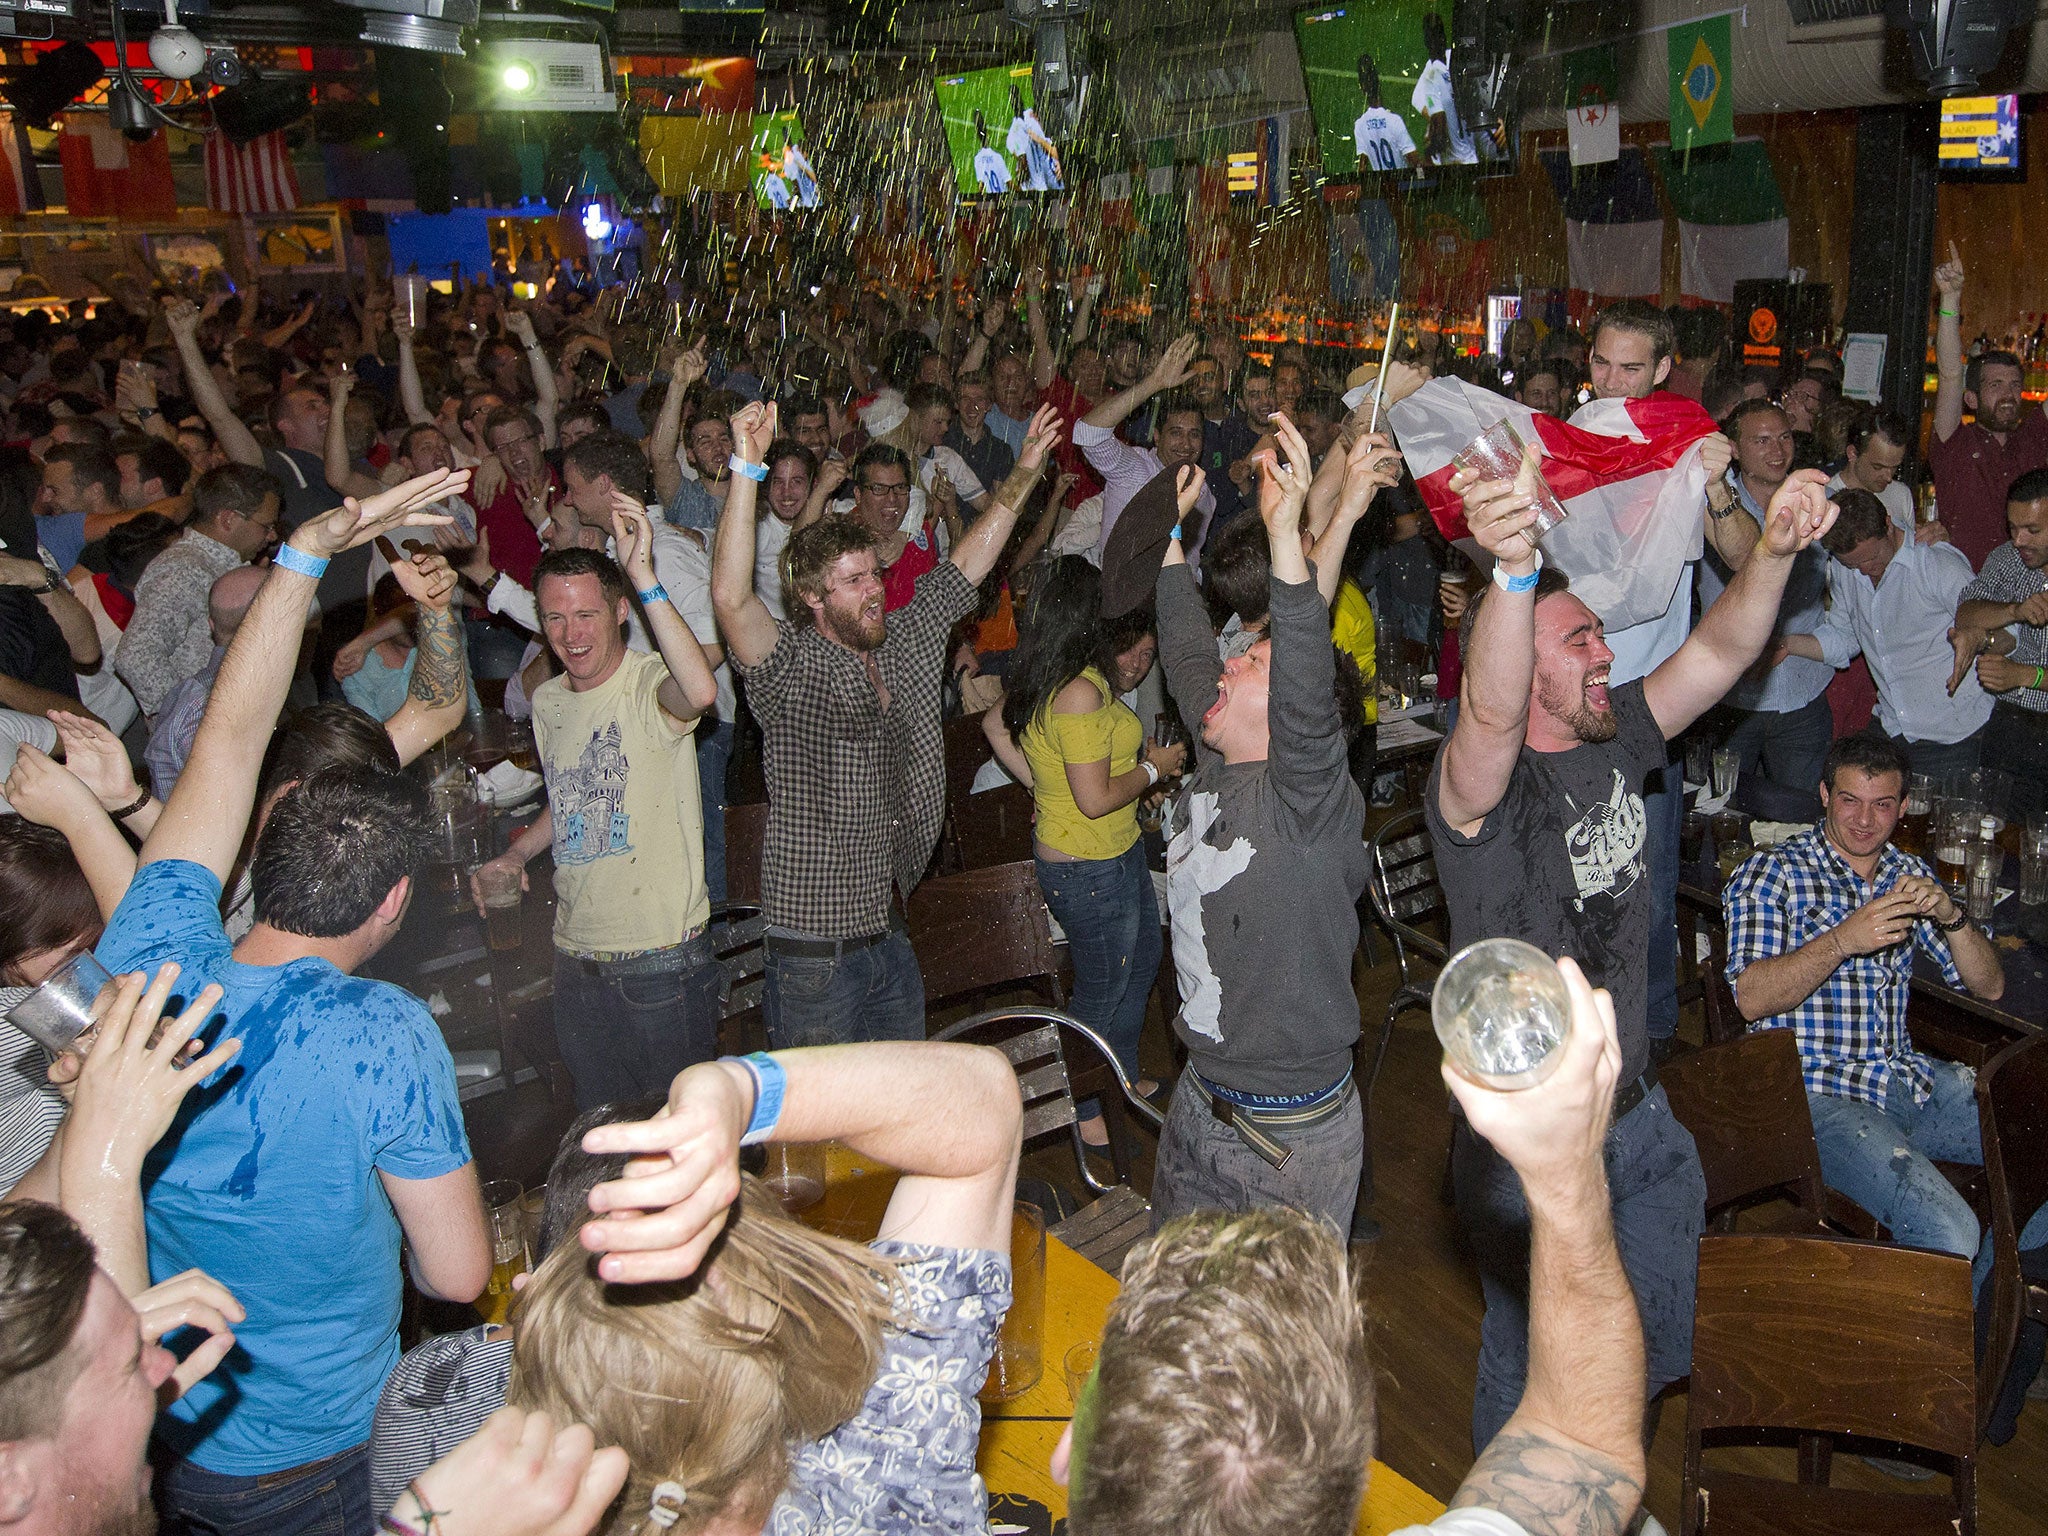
pixel 256 177
pixel 1627 471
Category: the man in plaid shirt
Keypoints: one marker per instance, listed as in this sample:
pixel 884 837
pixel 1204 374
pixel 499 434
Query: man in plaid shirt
pixel 2002 620
pixel 1822 932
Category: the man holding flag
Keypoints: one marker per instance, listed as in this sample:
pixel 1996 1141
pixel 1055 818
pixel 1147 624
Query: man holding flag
pixel 1643 474
pixel 1536 814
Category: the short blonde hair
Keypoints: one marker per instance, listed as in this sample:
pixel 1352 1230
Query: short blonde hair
pixel 1234 1391
pixel 709 1381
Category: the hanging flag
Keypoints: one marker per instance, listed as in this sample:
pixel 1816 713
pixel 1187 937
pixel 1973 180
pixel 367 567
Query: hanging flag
pixel 21 189
pixel 1115 187
pixel 1594 130
pixel 1731 219
pixel 256 177
pixel 1269 142
pixel 1627 471
pixel 1592 92
pixel 1613 227
pixel 109 175
pixel 1702 90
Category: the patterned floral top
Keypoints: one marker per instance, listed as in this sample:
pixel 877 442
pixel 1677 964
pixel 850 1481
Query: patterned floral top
pixel 905 1462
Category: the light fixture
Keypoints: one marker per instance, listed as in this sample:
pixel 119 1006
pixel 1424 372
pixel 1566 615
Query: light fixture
pixel 595 224
pixel 516 77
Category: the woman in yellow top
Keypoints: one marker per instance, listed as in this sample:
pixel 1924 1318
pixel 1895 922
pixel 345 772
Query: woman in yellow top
pixel 1089 766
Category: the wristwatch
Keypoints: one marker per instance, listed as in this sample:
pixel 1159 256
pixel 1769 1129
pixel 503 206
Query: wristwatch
pixel 144 412
pixel 1720 500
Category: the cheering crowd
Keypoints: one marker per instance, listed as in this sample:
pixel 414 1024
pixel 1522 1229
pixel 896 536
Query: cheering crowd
pixel 268 555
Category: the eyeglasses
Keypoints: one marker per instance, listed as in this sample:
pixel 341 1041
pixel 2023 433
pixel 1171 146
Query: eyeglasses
pixel 513 442
pixel 900 488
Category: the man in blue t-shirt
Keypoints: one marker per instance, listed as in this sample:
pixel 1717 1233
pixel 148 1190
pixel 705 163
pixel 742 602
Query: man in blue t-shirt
pixel 295 1173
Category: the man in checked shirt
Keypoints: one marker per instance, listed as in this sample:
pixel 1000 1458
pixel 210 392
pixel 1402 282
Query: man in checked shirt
pixel 1822 931
pixel 2003 615
pixel 848 701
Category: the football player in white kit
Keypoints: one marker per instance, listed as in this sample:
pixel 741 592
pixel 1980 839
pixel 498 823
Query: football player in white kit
pixel 1449 143
pixel 1384 143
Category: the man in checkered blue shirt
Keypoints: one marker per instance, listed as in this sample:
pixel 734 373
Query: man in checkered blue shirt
pixel 1822 933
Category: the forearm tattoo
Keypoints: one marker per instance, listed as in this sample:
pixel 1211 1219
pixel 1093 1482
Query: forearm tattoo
pixel 440 670
pixel 1551 1489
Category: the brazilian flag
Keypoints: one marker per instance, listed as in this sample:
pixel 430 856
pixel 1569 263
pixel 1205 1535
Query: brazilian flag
pixel 1702 85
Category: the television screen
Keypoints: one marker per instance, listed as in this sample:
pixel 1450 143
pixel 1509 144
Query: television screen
pixel 996 141
pixel 1980 136
pixel 1379 85
pixel 782 173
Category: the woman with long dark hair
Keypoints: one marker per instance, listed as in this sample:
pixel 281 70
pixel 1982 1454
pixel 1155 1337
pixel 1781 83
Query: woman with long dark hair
pixel 1090 765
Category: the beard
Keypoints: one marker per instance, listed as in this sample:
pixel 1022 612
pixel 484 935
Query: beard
pixel 1572 711
pixel 2005 416
pixel 853 630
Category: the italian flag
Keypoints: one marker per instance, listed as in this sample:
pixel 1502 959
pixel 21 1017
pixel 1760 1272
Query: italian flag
pixel 1731 220
pixel 1627 471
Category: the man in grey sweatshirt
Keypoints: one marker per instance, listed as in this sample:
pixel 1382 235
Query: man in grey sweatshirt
pixel 1263 879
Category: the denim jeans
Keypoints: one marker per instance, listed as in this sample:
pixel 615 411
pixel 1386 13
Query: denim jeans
pixel 1665 811
pixel 1660 1208
pixel 1782 753
pixel 1111 919
pixel 872 993
pixel 2016 742
pixel 332 1498
pixel 627 1027
pixel 1203 1164
pixel 714 753
pixel 1882 1158
pixel 1939 759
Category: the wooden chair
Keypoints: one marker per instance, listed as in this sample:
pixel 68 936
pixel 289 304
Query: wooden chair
pixel 1724 1021
pixel 736 943
pixel 1819 1337
pixel 993 827
pixel 746 834
pixel 1037 1041
pixel 1745 1104
pixel 1401 879
pixel 2012 1111
pixel 982 929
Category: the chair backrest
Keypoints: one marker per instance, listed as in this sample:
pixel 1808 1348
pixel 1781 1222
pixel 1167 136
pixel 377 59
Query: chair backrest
pixel 746 834
pixel 1833 1336
pixel 1404 888
pixel 2012 1115
pixel 983 928
pixel 1745 1104
pixel 993 827
pixel 1724 1021
pixel 966 749
pixel 1037 1041
pixel 736 944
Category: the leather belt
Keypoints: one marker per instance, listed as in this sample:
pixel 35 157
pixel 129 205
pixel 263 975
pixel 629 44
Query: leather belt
pixel 1629 1095
pixel 821 949
pixel 1252 1123
pixel 266 1481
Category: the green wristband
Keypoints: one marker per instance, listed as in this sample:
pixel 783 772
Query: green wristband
pixel 2040 674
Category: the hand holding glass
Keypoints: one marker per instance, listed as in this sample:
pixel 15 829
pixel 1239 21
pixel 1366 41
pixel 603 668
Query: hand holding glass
pixel 64 1013
pixel 1502 1013
pixel 1499 453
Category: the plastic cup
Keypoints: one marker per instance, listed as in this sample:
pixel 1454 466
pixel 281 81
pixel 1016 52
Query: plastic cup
pixel 1499 453
pixel 1502 1013
pixel 796 1173
pixel 1078 1365
pixel 64 1013
pixel 1019 1358
pixel 499 887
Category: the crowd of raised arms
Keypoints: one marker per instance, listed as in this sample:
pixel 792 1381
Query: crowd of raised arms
pixel 258 557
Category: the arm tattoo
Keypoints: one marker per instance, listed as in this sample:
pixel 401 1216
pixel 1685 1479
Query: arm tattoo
pixel 1550 1488
pixel 440 671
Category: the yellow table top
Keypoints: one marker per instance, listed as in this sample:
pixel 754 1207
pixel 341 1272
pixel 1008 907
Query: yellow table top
pixel 1018 1436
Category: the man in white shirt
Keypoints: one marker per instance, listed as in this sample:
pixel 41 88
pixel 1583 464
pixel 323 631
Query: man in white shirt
pixel 1177 438
pixel 1216 1306
pixel 1875 448
pixel 1894 599
pixel 1384 143
pixel 1449 143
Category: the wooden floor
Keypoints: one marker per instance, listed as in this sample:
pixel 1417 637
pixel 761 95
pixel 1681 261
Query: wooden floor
pixel 1423 1293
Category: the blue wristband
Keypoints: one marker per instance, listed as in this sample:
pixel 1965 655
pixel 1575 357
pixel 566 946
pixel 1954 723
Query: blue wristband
pixel 1175 535
pixel 1509 583
pixel 293 560
pixel 740 466
pixel 654 594
pixel 769 1082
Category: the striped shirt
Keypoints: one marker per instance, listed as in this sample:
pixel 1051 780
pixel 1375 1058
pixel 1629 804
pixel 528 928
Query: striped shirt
pixel 30 1109
pixel 437 1397
pixel 1852 1029
pixel 2006 578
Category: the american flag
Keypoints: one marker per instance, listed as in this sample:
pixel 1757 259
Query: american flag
pixel 256 177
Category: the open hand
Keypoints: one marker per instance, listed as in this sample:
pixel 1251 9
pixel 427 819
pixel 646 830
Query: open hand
pixel 357 522
pixel 96 756
pixel 45 792
pixel 1283 485
pixel 1171 371
pixel 657 1221
pixel 1040 437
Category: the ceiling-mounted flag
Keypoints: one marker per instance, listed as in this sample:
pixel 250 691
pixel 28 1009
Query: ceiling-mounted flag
pixel 1593 114
pixel 1702 88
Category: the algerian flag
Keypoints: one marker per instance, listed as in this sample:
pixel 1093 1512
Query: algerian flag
pixel 1731 220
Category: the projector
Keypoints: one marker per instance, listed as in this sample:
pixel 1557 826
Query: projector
pixel 536 74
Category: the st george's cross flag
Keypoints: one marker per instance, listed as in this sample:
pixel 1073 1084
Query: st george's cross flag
pixel 1627 471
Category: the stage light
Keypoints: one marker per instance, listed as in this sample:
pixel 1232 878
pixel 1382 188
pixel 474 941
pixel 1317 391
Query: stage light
pixel 595 224
pixel 517 78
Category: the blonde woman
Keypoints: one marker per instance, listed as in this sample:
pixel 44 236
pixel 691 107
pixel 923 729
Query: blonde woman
pixel 761 1376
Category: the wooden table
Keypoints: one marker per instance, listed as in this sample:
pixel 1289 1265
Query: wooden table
pixel 1017 1437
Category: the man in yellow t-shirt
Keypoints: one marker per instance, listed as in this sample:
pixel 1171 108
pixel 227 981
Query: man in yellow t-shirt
pixel 636 986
